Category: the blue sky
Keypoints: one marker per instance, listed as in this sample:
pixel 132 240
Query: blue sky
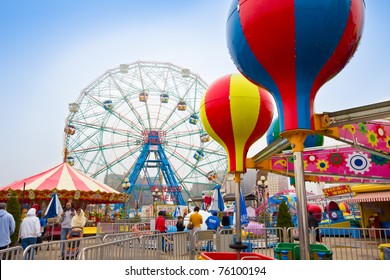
pixel 51 50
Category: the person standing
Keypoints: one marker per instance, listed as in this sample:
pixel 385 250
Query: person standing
pixel 212 221
pixel 7 227
pixel 160 222
pixel 161 227
pixel 66 225
pixel 42 222
pixel 196 219
pixel 180 223
pixel 78 220
pixel 313 223
pixel 30 230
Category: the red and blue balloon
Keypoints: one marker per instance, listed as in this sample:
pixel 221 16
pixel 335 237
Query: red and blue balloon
pixel 293 47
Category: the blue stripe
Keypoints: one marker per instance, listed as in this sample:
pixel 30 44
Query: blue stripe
pixel 245 60
pixel 319 28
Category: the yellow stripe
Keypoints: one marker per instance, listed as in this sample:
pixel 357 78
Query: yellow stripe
pixel 244 107
pixel 209 129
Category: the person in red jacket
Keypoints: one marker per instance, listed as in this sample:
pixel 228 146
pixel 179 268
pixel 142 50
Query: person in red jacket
pixel 160 226
pixel 160 222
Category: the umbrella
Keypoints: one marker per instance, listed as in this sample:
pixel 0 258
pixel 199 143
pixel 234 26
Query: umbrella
pixel 217 200
pixel 177 212
pixel 54 209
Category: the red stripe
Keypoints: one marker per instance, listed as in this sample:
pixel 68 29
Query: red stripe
pixel 52 181
pixel 79 185
pixel 79 174
pixel 18 185
pixel 276 49
pixel 217 109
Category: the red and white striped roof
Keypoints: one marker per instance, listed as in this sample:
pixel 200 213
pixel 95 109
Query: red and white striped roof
pixel 61 177
pixel 371 197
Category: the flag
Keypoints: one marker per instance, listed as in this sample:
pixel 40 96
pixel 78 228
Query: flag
pixel 54 208
pixel 217 203
pixel 243 213
pixel 177 212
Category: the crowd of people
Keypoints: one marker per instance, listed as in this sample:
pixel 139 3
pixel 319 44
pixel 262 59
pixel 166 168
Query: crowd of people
pixel 33 226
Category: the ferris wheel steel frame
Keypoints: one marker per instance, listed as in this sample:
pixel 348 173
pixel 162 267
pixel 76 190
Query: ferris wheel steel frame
pixel 143 118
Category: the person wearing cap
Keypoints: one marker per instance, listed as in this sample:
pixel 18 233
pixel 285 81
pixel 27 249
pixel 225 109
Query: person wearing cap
pixel 212 221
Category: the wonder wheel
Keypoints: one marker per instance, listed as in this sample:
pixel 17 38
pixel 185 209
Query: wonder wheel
pixel 138 126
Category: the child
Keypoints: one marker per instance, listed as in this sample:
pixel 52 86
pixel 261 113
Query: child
pixel 180 223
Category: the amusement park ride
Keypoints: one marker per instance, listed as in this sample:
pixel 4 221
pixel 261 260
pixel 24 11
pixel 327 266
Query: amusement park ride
pixel 141 120
pixel 139 123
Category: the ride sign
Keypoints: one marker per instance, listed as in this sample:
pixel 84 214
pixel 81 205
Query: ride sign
pixel 339 190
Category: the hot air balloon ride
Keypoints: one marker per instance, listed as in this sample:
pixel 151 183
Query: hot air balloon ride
pixel 236 113
pixel 292 48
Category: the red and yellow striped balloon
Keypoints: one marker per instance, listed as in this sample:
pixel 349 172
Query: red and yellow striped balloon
pixel 236 113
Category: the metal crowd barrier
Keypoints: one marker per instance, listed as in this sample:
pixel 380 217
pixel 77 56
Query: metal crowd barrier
pixel 348 243
pixel 52 250
pixel 163 246
pixel 355 243
pixel 126 235
pixel 12 253
pixel 203 241
pixel 112 228
pixel 345 244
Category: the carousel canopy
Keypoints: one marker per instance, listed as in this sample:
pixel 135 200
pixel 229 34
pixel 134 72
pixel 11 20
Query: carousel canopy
pixel 68 182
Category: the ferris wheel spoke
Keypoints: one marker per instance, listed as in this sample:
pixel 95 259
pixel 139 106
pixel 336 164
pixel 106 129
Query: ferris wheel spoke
pixel 129 122
pixel 116 161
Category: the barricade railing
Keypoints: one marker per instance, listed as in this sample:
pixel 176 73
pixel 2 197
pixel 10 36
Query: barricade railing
pixel 126 235
pixel 258 240
pixel 12 253
pixel 53 250
pixel 203 241
pixel 225 237
pixel 347 243
pixel 111 228
pixel 354 243
pixel 163 246
pixel 125 249
pixel 167 246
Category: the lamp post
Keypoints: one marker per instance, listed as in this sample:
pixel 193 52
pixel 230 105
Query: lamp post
pixel 125 187
pixel 156 193
pixel 262 184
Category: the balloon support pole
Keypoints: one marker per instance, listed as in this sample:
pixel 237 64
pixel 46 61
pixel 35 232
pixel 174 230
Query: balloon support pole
pixel 238 245
pixel 296 138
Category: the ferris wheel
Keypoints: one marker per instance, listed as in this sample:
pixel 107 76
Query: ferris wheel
pixel 137 127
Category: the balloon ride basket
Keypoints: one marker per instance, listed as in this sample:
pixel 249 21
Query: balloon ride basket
pixel 291 251
pixel 232 256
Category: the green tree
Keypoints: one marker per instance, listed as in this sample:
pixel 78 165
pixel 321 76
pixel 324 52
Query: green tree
pixel 283 218
pixel 13 207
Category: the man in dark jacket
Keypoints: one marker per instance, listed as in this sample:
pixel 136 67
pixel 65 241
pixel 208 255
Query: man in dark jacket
pixel 313 223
